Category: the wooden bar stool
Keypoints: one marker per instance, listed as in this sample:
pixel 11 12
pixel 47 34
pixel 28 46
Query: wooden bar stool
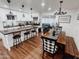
pixel 16 38
pixel 26 35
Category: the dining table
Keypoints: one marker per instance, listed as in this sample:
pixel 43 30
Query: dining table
pixel 59 38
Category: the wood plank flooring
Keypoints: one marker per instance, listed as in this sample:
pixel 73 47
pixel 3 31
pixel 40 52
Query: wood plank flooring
pixel 31 49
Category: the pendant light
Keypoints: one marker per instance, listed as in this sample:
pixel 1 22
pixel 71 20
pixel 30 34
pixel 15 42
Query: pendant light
pixel 9 1
pixel 22 8
pixel 31 11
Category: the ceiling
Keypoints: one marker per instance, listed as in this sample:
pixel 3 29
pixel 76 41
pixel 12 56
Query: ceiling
pixel 36 5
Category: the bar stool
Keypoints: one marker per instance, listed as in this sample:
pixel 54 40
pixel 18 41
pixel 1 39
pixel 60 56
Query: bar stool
pixel 33 32
pixel 16 38
pixel 26 35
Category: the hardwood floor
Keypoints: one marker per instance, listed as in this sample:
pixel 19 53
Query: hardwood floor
pixel 31 49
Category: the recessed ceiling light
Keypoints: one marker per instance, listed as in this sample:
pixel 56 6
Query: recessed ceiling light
pixel 49 9
pixel 42 4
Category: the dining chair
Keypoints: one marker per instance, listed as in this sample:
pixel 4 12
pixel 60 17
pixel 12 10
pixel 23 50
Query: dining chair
pixel 49 45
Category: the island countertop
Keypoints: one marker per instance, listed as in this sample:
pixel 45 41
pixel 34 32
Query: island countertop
pixel 9 31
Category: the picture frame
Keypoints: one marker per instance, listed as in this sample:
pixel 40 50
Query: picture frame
pixel 64 19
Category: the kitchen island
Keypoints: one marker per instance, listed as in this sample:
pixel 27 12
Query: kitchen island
pixel 7 35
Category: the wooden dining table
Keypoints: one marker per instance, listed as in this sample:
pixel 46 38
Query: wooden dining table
pixel 60 38
pixel 65 43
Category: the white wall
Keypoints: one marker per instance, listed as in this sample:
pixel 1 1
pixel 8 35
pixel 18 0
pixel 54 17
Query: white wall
pixel 72 28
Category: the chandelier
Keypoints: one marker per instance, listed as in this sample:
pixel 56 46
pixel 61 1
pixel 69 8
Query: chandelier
pixel 60 12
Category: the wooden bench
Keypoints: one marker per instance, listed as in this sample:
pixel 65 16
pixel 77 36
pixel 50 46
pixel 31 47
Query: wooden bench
pixel 71 48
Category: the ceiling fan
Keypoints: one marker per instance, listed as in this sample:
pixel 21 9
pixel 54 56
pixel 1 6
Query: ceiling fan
pixel 60 12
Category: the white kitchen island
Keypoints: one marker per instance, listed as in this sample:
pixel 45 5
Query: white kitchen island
pixel 7 35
